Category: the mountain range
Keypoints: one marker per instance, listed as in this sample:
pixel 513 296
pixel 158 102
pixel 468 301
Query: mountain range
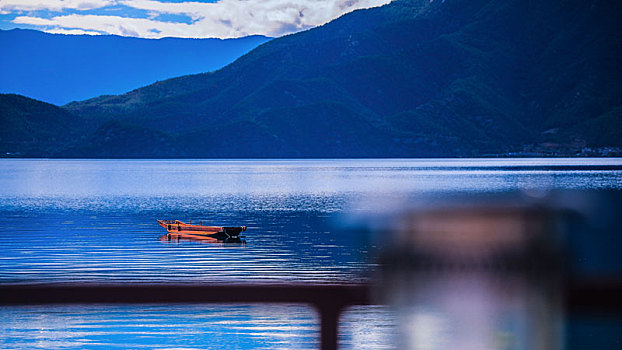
pixel 414 78
pixel 59 68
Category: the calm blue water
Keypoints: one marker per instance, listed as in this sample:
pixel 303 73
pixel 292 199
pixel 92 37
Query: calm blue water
pixel 95 221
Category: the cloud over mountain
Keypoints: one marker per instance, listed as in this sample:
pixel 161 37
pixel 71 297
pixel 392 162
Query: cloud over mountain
pixel 8 6
pixel 189 19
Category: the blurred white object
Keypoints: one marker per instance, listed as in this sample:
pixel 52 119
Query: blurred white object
pixel 476 276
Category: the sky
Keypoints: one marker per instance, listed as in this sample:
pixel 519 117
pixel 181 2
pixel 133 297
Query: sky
pixel 175 18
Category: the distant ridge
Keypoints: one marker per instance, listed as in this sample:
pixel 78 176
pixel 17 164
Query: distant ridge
pixel 32 128
pixel 59 68
pixel 453 78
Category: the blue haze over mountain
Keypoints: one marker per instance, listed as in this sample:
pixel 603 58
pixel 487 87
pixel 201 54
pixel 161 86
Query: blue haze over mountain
pixel 58 68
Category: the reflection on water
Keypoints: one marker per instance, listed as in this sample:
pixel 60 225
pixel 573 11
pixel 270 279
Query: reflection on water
pixel 168 180
pixel 159 326
pixel 174 237
pixel 368 328
pixel 66 246
pixel 94 221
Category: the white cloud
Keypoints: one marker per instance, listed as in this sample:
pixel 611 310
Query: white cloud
pixel 71 31
pixel 138 27
pixel 222 19
pixel 53 5
pixel 228 18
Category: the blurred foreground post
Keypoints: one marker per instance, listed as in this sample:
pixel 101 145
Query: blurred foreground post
pixel 476 276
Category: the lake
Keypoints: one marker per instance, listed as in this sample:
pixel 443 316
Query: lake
pixel 94 221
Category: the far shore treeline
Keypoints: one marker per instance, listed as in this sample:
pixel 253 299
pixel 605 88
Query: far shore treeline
pixel 454 78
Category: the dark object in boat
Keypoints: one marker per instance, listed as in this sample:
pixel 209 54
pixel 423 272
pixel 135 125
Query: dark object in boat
pixel 178 229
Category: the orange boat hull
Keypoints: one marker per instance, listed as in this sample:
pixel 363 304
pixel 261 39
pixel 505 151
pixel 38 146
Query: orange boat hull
pixel 181 229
